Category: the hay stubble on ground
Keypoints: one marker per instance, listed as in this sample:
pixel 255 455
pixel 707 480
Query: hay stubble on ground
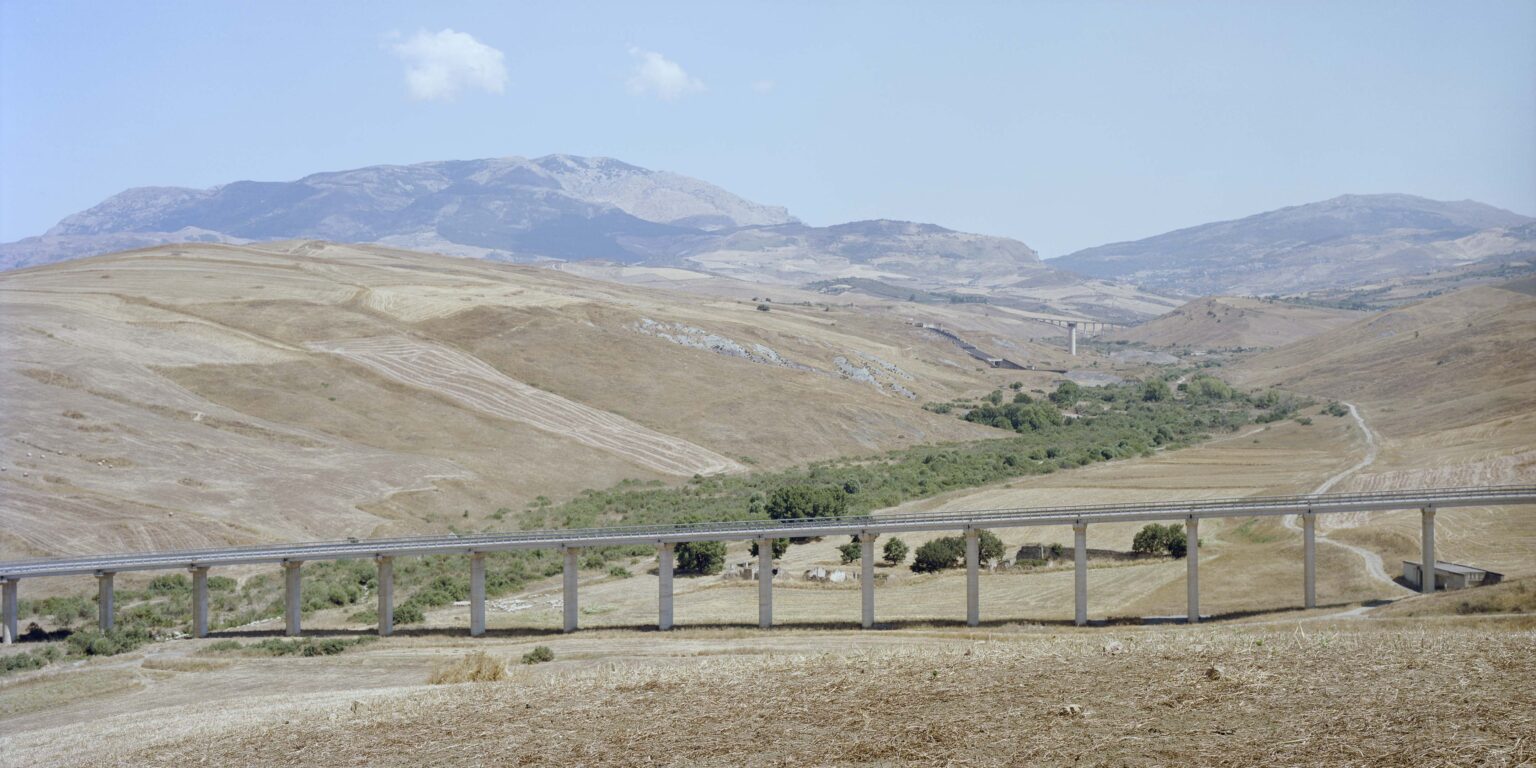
pixel 1360 693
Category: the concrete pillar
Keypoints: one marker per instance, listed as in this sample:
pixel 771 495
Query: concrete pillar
pixel 1192 563
pixel 1080 572
pixel 572 607
pixel 8 610
pixel 1309 558
pixel 664 553
pixel 867 577
pixel 476 594
pixel 1427 570
pixel 386 587
pixel 199 602
pixel 293 609
pixel 105 612
pixel 972 577
pixel 1072 338
pixel 765 583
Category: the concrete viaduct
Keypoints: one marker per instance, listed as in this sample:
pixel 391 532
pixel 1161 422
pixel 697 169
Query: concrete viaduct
pixel 291 557
pixel 1088 326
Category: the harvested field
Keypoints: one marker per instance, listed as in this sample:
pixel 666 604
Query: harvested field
pixel 1361 692
pixel 468 380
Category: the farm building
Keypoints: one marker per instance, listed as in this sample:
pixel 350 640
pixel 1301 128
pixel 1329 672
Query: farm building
pixel 1450 575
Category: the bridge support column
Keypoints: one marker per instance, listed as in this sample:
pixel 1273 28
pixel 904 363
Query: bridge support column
pixel 664 554
pixel 765 583
pixel 8 610
pixel 972 577
pixel 476 594
pixel 1080 572
pixel 199 602
pixel 105 611
pixel 571 599
pixel 1309 557
pixel 1072 338
pixel 386 586
pixel 867 577
pixel 1427 568
pixel 293 607
pixel 1192 563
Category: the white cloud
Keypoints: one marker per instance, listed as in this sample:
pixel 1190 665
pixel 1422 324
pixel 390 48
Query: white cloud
pixel 661 77
pixel 438 66
pixel 764 86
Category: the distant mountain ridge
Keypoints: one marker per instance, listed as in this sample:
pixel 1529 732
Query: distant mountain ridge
pixel 546 209
pixel 1346 241
pixel 558 206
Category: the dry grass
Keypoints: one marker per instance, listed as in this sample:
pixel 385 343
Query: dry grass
pixel 1356 694
pixel 475 667
pixel 1510 597
pixel 186 665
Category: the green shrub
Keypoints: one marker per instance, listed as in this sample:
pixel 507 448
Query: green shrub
pixel 700 558
pixel 169 584
pixel 1155 539
pixel 619 572
pixel 539 655
pixel 849 552
pixel 408 614
pixel 895 551
pixel 938 554
pixel 780 546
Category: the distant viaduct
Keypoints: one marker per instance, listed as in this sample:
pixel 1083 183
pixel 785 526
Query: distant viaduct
pixel 383 551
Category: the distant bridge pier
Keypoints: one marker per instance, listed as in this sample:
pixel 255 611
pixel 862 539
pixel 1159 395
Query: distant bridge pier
pixel 1080 572
pixel 477 594
pixel 1072 338
pixel 199 601
pixel 664 552
pixel 765 583
pixel 1309 558
pixel 386 586
pixel 1427 565
pixel 972 577
pixel 8 611
pixel 867 576
pixel 1192 564
pixel 105 612
pixel 570 599
pixel 293 603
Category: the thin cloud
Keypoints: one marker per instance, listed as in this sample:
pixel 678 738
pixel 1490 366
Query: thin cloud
pixel 656 75
pixel 441 65
pixel 764 86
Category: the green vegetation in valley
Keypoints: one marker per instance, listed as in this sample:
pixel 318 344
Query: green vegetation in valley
pixel 1070 427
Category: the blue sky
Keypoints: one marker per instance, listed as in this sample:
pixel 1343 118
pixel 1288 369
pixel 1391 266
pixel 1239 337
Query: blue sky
pixel 1063 124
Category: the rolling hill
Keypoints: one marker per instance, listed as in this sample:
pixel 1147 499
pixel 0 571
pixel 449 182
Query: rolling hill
pixel 563 209
pixel 209 393
pixel 1347 241
pixel 1232 322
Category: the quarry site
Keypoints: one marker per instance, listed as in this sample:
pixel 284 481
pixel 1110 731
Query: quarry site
pixel 339 454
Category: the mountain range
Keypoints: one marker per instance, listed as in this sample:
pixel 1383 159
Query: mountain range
pixel 554 208
pixel 1348 241
pixel 596 210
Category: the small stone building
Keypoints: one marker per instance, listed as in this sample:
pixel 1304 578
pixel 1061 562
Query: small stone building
pixel 1450 576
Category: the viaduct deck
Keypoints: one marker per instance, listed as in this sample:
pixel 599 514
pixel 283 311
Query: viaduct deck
pixel 665 537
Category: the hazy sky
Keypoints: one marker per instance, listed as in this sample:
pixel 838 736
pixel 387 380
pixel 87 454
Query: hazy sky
pixel 1063 124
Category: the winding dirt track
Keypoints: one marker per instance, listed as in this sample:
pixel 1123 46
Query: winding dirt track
pixel 471 382
pixel 1373 564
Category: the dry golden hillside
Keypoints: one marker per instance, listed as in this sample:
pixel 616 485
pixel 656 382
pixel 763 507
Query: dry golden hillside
pixel 1463 359
pixel 1230 322
pixel 206 394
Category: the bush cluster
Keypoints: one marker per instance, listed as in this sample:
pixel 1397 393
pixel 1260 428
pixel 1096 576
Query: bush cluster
pixel 1158 539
